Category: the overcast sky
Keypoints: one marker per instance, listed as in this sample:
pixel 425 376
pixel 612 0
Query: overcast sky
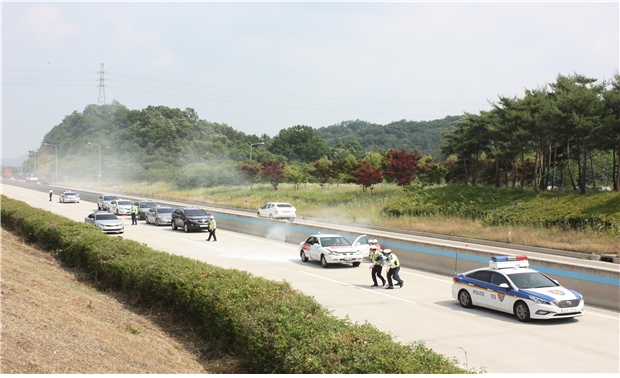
pixel 263 67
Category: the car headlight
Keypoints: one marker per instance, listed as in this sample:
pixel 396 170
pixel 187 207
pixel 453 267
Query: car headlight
pixel 539 300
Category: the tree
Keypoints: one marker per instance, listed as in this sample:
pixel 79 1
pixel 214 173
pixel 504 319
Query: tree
pixel 367 176
pixel 401 165
pixel 249 170
pixel 299 143
pixel 322 170
pixel 296 174
pixel 272 172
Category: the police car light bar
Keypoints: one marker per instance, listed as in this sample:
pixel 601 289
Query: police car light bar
pixel 509 258
pixel 503 262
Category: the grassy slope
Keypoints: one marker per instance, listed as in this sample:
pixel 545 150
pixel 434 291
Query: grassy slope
pixel 55 322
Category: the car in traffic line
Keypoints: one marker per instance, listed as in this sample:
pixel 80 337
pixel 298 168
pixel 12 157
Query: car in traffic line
pixel 69 196
pixel 159 215
pixel 277 210
pixel 189 219
pixel 103 201
pixel 143 207
pixel 509 285
pixel 107 223
pixel 333 249
pixel 120 207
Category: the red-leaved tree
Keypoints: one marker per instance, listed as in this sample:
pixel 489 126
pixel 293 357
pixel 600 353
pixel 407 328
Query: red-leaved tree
pixel 401 165
pixel 367 175
pixel 272 172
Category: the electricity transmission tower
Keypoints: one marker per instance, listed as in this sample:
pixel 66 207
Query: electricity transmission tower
pixel 101 86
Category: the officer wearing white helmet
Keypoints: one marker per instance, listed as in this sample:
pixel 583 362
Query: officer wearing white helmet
pixel 212 227
pixel 391 261
pixel 376 264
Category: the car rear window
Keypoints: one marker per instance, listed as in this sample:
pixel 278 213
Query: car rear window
pixel 284 205
pixel 110 198
pixel 148 204
pixel 124 203
pixel 164 210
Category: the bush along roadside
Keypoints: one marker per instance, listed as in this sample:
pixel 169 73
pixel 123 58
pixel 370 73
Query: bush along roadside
pixel 270 326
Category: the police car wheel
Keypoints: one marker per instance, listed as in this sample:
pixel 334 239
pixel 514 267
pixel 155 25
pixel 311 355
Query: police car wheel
pixel 324 262
pixel 522 312
pixel 465 299
pixel 303 256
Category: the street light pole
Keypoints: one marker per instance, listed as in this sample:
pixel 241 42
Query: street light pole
pixel 56 150
pixel 98 145
pixel 252 145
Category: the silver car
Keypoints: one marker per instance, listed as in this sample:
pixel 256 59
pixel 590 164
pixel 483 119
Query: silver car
pixel 107 223
pixel 159 215
pixel 69 196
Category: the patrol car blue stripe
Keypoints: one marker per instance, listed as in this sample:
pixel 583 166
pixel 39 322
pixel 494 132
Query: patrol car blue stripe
pixel 437 252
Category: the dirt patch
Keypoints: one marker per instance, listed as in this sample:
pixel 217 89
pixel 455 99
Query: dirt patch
pixel 54 322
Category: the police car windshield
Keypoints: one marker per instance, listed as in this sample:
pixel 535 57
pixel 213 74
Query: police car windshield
pixel 124 203
pixel 531 280
pixel 148 204
pixel 164 210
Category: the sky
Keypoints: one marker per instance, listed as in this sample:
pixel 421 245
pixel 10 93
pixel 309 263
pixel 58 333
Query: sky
pixel 261 67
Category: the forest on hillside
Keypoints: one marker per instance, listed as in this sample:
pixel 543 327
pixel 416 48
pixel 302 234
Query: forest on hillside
pixel 563 135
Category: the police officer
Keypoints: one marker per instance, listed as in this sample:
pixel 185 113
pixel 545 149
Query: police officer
pixel 51 192
pixel 391 261
pixel 212 227
pixel 133 214
pixel 376 264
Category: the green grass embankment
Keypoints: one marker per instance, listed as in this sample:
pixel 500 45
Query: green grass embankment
pixel 495 207
pixel 271 327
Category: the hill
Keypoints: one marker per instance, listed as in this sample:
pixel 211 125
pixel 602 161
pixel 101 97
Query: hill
pixel 425 136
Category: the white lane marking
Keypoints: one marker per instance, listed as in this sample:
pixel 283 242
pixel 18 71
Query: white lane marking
pixel 601 315
pixel 358 287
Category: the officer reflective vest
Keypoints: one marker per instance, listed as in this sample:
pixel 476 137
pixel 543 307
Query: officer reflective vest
pixel 392 261
pixel 376 258
pixel 133 209
pixel 212 224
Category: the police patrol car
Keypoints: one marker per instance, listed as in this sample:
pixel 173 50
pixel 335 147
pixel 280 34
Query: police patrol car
pixel 509 285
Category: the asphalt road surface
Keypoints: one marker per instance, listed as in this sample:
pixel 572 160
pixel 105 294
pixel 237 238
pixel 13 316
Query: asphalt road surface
pixel 422 310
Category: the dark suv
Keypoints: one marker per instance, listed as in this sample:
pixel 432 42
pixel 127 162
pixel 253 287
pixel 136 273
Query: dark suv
pixel 190 219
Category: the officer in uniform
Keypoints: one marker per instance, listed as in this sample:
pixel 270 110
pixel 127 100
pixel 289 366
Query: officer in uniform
pixel 391 261
pixel 212 227
pixel 376 264
pixel 133 214
pixel 51 192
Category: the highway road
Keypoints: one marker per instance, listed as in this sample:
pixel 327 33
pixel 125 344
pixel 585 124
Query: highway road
pixel 422 310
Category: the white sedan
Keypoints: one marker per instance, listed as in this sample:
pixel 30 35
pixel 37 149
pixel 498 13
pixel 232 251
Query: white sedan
pixel 69 196
pixel 120 207
pixel 508 285
pixel 334 249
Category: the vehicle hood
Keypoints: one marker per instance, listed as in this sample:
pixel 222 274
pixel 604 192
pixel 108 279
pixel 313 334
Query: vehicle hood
pixel 558 293
pixel 342 248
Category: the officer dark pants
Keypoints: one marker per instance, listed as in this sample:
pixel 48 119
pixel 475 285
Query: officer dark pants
pixel 376 272
pixel 212 233
pixel 394 273
pixel 50 197
pixel 133 219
